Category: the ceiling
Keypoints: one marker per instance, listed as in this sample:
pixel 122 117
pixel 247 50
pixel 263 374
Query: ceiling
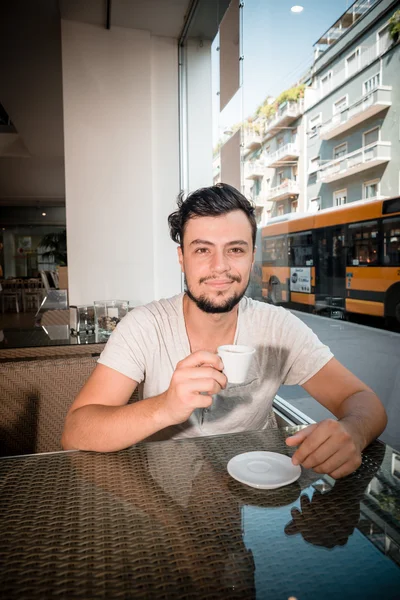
pixel 160 17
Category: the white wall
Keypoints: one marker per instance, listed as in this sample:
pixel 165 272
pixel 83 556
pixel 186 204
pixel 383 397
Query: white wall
pixel 121 162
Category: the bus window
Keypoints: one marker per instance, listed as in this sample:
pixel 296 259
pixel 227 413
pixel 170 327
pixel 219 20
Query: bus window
pixel 364 243
pixel 391 242
pixel 274 251
pixel 300 249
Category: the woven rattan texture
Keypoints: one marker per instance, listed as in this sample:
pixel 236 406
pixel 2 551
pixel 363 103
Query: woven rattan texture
pixel 50 351
pixel 35 397
pixel 159 520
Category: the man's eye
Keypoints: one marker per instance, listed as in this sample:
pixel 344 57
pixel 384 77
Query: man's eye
pixel 201 250
pixel 237 250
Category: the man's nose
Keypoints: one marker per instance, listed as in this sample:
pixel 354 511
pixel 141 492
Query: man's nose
pixel 220 262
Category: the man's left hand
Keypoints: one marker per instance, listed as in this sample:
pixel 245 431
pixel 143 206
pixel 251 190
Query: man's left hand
pixel 329 447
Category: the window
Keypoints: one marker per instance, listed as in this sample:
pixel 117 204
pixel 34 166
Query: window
pixel 353 63
pixel 326 83
pixel 371 136
pixel 371 83
pixel 281 210
pixel 274 251
pixel 391 241
pixel 340 105
pixel 363 243
pixel 339 198
pixel 339 151
pixel 280 142
pixel 300 249
pixel 315 122
pixel 384 40
pixel 279 177
pixel 294 206
pixel 371 189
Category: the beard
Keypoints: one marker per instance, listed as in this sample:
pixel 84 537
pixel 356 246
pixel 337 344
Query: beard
pixel 211 307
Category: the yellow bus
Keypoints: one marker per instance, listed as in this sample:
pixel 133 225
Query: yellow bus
pixel 340 260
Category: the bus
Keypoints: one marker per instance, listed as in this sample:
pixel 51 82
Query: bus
pixel 340 260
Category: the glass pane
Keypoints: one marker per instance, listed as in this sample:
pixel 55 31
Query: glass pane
pixel 391 242
pixel 364 248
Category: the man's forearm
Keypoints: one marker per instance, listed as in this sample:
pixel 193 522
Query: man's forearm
pixel 109 428
pixel 364 413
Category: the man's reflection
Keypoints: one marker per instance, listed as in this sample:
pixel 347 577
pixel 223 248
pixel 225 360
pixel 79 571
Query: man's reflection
pixel 320 520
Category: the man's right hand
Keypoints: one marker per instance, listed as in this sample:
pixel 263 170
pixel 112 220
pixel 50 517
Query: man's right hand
pixel 194 381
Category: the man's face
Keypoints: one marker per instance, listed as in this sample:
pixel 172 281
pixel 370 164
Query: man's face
pixel 217 258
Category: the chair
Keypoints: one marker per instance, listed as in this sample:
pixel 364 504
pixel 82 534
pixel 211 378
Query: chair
pixel 32 291
pixel 10 293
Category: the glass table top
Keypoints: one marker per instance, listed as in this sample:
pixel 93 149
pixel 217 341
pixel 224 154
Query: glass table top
pixel 165 520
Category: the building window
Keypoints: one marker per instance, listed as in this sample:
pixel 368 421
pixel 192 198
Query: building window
pixel 339 198
pixel 326 83
pixel 280 177
pixel 383 40
pixel 353 63
pixel 281 210
pixel 371 189
pixel 340 105
pixel 339 151
pixel 280 142
pixel 371 136
pixel 293 206
pixel 371 83
pixel 315 122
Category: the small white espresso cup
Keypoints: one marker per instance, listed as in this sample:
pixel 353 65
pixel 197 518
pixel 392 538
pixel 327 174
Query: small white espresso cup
pixel 237 360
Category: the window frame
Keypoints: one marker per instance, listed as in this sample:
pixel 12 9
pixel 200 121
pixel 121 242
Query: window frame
pixel 383 223
pixel 310 247
pixel 370 182
pixel 355 51
pixel 337 112
pixel 338 146
pixel 310 120
pixel 329 76
pixel 351 227
pixel 343 192
pixel 369 131
pixel 379 31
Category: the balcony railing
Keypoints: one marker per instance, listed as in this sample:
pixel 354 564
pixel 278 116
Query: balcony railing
pixel 368 105
pixel 252 140
pixel 282 155
pixel 254 169
pixel 365 158
pixel 289 187
pixel 286 114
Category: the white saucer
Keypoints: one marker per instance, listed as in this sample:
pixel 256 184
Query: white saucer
pixel 263 470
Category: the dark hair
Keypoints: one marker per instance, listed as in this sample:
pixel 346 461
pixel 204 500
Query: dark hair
pixel 209 202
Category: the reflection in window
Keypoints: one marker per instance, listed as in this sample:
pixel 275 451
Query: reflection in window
pixel 391 242
pixel 363 243
pixel 274 251
pixel 300 249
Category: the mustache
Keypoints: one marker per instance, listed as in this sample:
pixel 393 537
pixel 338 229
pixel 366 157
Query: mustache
pixel 236 278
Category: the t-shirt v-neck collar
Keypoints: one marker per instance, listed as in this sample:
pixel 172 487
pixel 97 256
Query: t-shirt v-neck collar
pixel 183 336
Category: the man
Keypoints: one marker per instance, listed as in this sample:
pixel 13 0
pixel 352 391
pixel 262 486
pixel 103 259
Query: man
pixel 171 346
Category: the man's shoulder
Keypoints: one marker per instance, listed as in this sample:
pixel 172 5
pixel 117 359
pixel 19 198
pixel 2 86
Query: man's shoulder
pixel 163 309
pixel 264 310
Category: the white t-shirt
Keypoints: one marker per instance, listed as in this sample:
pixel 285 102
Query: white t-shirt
pixel 149 342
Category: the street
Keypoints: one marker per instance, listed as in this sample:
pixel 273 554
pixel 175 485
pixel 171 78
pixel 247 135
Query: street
pixel 371 354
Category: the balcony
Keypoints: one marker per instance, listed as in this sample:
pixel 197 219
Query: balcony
pixel 254 169
pixel 287 114
pixel 369 105
pixel 252 140
pixel 363 159
pixel 287 188
pixel 289 152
